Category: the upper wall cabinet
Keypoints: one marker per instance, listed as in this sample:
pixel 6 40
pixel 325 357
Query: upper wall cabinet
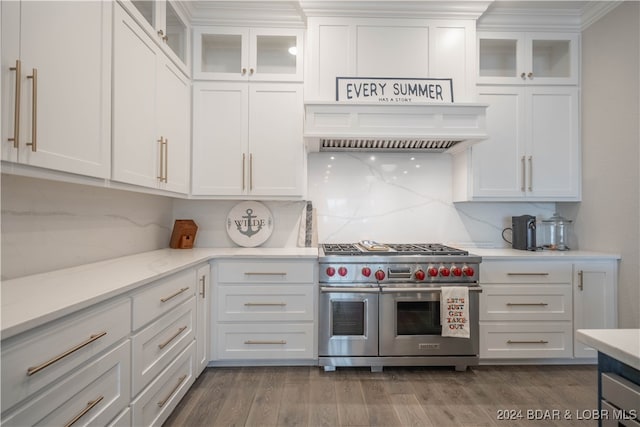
pixel 151 126
pixel 528 58
pixel 164 21
pixel 256 54
pixel 56 85
pixel 352 47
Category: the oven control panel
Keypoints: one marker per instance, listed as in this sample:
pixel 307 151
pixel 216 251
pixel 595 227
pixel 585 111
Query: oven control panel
pixel 443 272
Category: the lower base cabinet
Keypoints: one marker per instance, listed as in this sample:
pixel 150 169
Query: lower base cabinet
pixel 94 394
pixel 159 399
pixel 531 309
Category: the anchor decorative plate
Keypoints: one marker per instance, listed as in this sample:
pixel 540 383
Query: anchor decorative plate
pixel 249 224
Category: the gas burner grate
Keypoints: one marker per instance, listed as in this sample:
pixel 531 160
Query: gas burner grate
pixel 425 249
pixel 340 249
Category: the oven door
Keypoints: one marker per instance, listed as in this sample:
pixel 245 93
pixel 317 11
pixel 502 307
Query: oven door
pixel 348 321
pixel 410 324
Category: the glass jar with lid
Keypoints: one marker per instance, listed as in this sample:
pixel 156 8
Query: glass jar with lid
pixel 556 231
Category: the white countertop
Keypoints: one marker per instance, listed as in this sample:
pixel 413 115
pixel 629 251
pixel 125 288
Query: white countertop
pixel 621 344
pixel 505 254
pixel 31 301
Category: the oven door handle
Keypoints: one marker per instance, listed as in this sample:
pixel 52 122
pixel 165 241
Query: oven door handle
pixel 349 290
pixel 389 290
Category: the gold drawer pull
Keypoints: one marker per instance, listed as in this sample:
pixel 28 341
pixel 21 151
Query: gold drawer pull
pixel 16 116
pixel 35 369
pixel 542 304
pixel 265 342
pixel 528 342
pixel 165 299
pixel 267 273
pixel 34 110
pixel 166 343
pixel 175 388
pixel 266 304
pixel 527 274
pixel 89 407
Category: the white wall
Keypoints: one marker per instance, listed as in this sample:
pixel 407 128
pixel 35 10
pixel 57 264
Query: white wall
pixel 48 225
pixel 608 219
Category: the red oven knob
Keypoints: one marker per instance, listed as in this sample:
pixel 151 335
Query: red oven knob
pixel 380 275
pixel 433 272
pixel 444 271
pixel 420 275
pixel 468 271
pixel 456 271
pixel 366 271
pixel 331 271
pixel 342 271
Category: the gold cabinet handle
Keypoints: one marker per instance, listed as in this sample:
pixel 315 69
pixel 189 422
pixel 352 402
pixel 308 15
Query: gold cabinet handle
pixel 165 299
pixel 528 342
pixel 581 280
pixel 175 388
pixel 250 171
pixel 530 75
pixel 523 76
pixel 160 33
pixel 203 282
pixel 35 369
pixel 34 111
pixel 16 117
pixel 265 304
pixel 244 158
pixel 527 274
pixel 90 405
pixel 243 71
pixel 530 173
pixel 251 71
pixel 265 273
pixel 542 304
pixel 524 172
pixel 259 342
pixel 174 336
pixel 161 142
pixel 166 160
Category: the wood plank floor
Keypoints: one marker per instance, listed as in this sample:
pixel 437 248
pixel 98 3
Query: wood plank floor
pixel 436 396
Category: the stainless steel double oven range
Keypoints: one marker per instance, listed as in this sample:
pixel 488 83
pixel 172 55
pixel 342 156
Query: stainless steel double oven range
pixel 380 305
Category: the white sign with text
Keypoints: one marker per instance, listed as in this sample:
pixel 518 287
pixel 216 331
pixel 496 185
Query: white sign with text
pixel 393 90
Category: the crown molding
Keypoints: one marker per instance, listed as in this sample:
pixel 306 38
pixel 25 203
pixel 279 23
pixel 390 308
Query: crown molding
pixel 246 13
pixel 595 10
pixel 395 9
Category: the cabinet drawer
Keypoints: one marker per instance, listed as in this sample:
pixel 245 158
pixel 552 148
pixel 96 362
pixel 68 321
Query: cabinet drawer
pixel 158 400
pixel 263 341
pixel 33 360
pixel 265 303
pixel 620 392
pixel 161 296
pixel 122 420
pixel 261 271
pixel 96 394
pixel 157 344
pixel 526 340
pixel 616 417
pixel 526 302
pixel 525 272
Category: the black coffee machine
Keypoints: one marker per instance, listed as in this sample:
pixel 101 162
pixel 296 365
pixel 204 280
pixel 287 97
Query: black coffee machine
pixel 523 233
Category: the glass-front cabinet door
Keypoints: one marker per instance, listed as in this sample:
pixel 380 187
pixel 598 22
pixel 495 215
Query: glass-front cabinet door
pixel 176 32
pixel 227 53
pixel 528 58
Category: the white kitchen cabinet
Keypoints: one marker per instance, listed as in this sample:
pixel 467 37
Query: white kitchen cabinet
pixel 531 309
pixel 247 139
pixel 525 310
pixel 528 58
pixel 166 22
pixel 533 149
pixel 203 317
pixel 256 54
pixel 368 47
pixel 56 85
pixel 151 112
pixel 595 299
pixel 93 394
pixel 264 311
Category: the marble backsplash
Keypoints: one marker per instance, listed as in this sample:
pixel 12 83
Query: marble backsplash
pixel 402 197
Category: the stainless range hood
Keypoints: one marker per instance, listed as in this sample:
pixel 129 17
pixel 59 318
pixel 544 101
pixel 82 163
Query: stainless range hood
pixel 415 127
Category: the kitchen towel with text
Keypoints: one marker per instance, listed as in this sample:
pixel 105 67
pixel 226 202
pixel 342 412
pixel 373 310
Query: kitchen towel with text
pixel 454 311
